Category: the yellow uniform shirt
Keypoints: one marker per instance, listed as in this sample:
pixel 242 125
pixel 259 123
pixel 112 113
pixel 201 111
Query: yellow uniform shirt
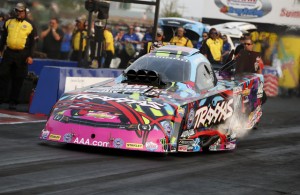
pixel 183 41
pixel 76 40
pixel 215 47
pixel 18 32
pixel 109 41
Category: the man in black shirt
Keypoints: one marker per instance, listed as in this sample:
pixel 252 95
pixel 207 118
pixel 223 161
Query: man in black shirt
pixel 241 45
pixel 52 38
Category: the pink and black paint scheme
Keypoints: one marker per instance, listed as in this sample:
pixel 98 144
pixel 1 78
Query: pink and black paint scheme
pixel 167 101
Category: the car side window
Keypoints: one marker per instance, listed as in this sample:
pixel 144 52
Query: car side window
pixel 204 77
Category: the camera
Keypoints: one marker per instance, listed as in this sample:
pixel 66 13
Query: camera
pixel 101 7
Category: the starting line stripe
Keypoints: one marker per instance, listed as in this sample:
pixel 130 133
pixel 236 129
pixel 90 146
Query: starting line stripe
pixel 13 117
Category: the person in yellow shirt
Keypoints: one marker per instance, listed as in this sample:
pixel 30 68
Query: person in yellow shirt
pixel 180 39
pixel 159 41
pixel 79 39
pixel 109 46
pixel 212 48
pixel 18 39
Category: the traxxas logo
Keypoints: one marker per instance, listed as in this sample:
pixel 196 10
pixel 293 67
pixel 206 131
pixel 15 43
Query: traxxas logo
pixel 207 115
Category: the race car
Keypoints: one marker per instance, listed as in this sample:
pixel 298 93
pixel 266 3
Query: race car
pixel 169 100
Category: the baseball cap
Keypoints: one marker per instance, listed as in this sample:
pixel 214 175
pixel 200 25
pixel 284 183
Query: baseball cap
pixel 81 19
pixel 20 7
pixel 159 31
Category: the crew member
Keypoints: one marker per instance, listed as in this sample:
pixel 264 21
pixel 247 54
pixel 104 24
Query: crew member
pixel 180 39
pixel 249 60
pixel 159 41
pixel 79 39
pixel 212 48
pixel 109 46
pixel 18 39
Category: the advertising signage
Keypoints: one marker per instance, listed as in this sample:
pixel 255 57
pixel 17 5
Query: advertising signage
pixel 279 12
pixel 244 8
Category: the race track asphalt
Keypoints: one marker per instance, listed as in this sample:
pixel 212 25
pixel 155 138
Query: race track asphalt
pixel 267 161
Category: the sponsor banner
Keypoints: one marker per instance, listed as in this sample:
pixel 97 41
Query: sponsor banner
pixel 244 9
pixel 284 12
pixel 270 70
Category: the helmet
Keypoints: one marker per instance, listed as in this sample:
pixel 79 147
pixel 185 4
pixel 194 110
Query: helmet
pixel 20 7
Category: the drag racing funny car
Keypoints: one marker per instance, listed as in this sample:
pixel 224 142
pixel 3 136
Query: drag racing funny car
pixel 169 100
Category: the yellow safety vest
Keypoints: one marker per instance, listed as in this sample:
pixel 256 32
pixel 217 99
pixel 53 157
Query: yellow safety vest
pixel 109 40
pixel 76 40
pixel 18 31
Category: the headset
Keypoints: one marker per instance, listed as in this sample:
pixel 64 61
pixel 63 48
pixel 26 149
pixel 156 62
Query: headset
pixel 176 29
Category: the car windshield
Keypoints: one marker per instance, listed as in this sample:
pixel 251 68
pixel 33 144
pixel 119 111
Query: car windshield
pixel 169 68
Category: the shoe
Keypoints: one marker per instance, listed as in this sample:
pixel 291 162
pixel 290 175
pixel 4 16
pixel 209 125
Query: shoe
pixel 12 106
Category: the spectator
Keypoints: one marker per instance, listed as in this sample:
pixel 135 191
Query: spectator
pixel 212 48
pixel 200 43
pixel 180 39
pixel 137 31
pixel 18 37
pixel 148 37
pixel 79 39
pixel 52 38
pixel 129 42
pixel 116 29
pixel 66 42
pixel 109 46
pixel 226 48
pixel 117 42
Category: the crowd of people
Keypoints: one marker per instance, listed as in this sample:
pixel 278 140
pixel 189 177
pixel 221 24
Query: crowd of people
pixel 20 37
pixel 68 41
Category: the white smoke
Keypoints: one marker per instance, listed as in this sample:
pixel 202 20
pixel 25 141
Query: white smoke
pixel 238 124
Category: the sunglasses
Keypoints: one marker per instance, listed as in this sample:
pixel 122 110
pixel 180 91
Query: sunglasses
pixel 247 44
pixel 158 35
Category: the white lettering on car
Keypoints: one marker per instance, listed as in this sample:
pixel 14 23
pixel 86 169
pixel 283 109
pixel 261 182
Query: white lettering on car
pixel 208 115
pixel 90 143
